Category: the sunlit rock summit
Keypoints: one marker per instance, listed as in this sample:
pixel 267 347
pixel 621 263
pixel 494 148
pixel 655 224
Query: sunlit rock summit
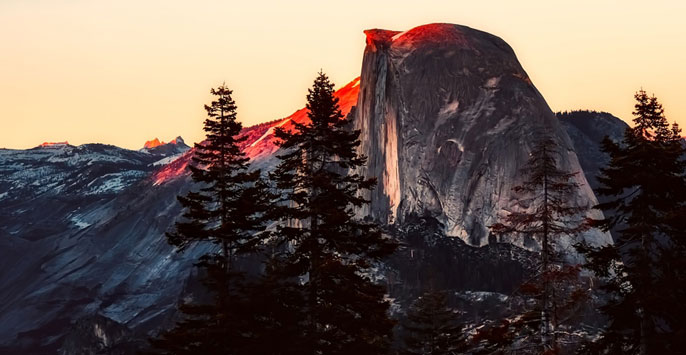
pixel 448 118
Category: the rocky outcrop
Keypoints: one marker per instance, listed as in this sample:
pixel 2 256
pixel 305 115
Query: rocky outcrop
pixel 99 335
pixel 448 118
pixel 174 147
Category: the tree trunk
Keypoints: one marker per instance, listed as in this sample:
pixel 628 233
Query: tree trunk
pixel 643 346
pixel 546 329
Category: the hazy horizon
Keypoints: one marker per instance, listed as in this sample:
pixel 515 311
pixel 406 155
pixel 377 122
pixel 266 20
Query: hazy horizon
pixel 126 72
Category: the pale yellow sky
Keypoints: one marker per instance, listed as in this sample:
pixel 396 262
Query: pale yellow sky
pixel 125 71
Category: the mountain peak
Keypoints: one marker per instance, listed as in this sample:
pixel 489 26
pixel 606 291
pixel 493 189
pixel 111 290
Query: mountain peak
pixel 434 33
pixel 152 143
pixel 156 142
pixel 379 37
pixel 54 144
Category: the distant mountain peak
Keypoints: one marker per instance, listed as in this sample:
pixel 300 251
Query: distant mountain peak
pixel 157 143
pixel 54 144
pixel 152 143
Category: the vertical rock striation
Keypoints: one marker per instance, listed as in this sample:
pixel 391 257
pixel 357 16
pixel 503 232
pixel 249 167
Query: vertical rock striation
pixel 448 118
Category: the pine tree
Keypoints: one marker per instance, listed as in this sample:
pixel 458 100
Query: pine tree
pixel 431 327
pixel 327 252
pixel 546 213
pixel 227 210
pixel 643 270
pixel 276 311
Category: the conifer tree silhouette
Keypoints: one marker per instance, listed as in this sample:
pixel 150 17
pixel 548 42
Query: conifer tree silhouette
pixel 329 250
pixel 229 210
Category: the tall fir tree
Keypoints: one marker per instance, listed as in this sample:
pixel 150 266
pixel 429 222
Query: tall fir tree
pixel 229 210
pixel 327 252
pixel 431 327
pixel 646 184
pixel 546 212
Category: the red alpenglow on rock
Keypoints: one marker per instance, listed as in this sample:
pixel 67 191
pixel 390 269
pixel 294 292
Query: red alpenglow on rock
pixel 152 144
pixel 156 142
pixel 54 144
pixel 261 141
pixel 266 145
pixel 426 35
pixel 379 37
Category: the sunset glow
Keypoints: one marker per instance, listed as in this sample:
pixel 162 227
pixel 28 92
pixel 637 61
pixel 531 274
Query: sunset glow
pixel 260 140
pixel 152 144
pixel 124 72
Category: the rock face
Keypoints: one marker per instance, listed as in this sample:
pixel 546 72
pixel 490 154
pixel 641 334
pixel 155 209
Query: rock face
pixel 587 130
pixel 174 147
pixel 448 118
pixel 98 335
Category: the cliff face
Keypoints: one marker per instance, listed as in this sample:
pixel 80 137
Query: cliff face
pixel 448 118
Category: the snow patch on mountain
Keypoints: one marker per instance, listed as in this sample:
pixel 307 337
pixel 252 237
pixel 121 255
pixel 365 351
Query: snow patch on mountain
pixel 79 223
pixel 167 160
pixel 114 182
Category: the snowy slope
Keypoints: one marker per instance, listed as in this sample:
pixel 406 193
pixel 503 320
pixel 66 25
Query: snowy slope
pixel 43 190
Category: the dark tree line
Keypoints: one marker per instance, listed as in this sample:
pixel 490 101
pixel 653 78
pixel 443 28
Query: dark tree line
pixel 644 269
